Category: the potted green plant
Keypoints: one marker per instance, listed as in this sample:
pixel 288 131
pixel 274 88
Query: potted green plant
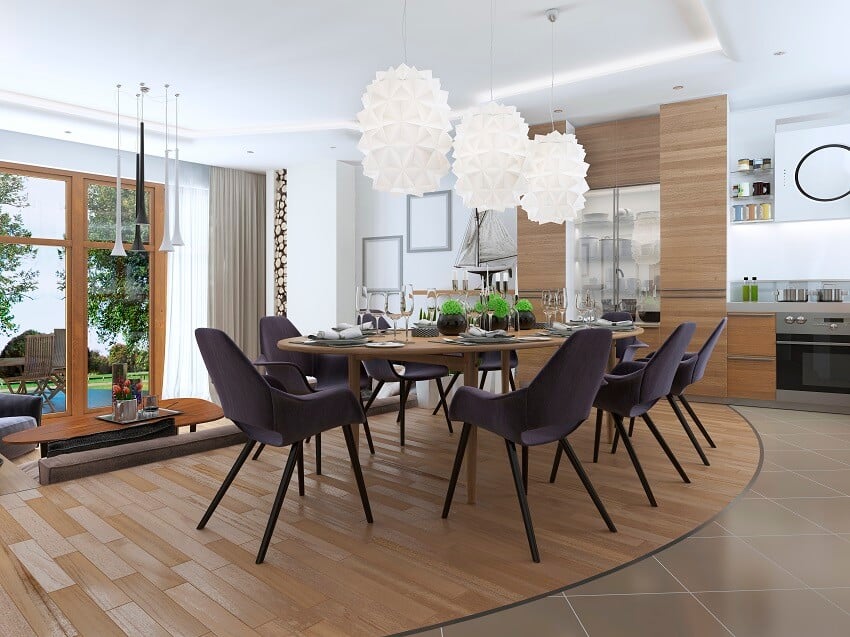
pixel 499 307
pixel 525 313
pixel 452 320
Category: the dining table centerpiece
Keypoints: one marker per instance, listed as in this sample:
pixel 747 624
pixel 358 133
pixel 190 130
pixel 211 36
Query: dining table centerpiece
pixel 525 314
pixel 125 406
pixel 494 316
pixel 452 319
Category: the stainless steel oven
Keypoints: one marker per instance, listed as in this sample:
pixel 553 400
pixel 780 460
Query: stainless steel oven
pixel 813 358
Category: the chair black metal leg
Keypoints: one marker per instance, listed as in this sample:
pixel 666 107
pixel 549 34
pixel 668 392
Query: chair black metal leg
pixel 483 379
pixel 665 447
pixel 291 461
pixel 405 389
pixel 451 384
pixel 556 463
pixel 372 396
pixel 697 421
pixel 358 472
pixel 258 451
pixel 598 436
pixel 318 454
pixel 240 460
pixel 523 502
pixel 512 382
pixel 301 470
pixel 442 393
pixel 688 430
pixel 631 426
pixel 461 450
pixel 618 423
pixel 525 468
pixel 368 433
pixel 588 485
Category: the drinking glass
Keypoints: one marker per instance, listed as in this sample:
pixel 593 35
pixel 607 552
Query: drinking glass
pixel 361 302
pixel 563 304
pixel 151 403
pixel 377 301
pixel 546 301
pixel 407 302
pixel 431 304
pixel 393 307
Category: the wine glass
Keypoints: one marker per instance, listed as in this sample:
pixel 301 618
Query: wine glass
pixel 486 302
pixel 563 304
pixel 546 301
pixel 377 301
pixel 361 302
pixel 393 307
pixel 431 304
pixel 407 302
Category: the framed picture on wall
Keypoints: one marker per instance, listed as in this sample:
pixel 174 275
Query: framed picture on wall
pixel 429 222
pixel 382 263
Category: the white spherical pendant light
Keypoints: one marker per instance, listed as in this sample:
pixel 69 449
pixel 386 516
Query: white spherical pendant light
pixel 405 131
pixel 556 171
pixel 490 147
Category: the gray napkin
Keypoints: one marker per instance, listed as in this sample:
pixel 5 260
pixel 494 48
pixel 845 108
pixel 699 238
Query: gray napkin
pixel 478 332
pixel 333 335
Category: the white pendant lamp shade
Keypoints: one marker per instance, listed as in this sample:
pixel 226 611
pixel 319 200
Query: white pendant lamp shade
pixel 556 171
pixel 646 238
pixel 490 147
pixel 405 131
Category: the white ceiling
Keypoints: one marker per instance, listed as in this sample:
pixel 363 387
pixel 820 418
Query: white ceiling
pixel 284 78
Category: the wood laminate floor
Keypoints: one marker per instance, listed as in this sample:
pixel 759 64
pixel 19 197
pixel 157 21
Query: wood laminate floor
pixel 119 553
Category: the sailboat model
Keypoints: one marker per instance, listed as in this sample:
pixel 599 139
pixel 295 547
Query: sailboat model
pixel 487 246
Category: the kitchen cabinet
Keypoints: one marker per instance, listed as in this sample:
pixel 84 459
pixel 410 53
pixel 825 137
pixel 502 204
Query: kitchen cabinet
pixel 751 357
pixel 622 152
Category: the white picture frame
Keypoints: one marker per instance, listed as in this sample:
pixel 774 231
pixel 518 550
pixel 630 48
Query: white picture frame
pixel 383 264
pixel 429 222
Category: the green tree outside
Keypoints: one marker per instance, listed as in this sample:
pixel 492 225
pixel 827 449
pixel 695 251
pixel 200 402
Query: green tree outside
pixel 17 277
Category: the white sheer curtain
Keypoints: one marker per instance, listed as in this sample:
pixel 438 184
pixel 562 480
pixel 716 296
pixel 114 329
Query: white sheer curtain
pixel 188 285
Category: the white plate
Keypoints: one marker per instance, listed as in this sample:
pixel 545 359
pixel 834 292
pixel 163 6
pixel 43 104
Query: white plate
pixel 385 344
pixel 534 338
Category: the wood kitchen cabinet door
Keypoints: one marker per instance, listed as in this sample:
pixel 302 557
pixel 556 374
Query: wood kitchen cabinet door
pixel 622 152
pixel 751 378
pixel 752 335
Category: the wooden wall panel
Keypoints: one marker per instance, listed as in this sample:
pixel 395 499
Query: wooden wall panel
pixel 694 171
pixel 622 153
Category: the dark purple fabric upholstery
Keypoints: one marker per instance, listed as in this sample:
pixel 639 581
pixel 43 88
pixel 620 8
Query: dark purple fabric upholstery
pixel 492 361
pixel 557 401
pixel 266 414
pixel 690 372
pixel 621 346
pixel 634 387
pixel 383 370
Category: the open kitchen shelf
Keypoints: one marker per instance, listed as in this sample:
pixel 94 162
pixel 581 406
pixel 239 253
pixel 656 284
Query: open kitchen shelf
pixel 746 221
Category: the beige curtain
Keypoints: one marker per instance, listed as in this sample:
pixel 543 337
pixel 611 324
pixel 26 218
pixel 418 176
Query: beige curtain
pixel 237 255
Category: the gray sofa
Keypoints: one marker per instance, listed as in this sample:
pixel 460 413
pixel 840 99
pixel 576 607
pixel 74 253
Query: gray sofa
pixel 18 412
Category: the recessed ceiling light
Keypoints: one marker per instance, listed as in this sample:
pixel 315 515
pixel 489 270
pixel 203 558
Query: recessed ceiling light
pixel 67 132
pixel 250 152
pixel 678 87
pixel 779 52
pixel 558 110
pixel 333 147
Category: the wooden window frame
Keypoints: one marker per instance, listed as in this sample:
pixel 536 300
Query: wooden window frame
pixel 76 246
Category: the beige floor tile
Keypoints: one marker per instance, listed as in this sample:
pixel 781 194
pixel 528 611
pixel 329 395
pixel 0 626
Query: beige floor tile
pixel 724 563
pixel 777 613
pixel 666 615
pixel 548 617
pixel 819 560
pixel 840 596
pixel 813 441
pixel 841 455
pixel 712 529
pixel 647 576
pixel 826 424
pixel 831 513
pixel 787 484
pixel 799 460
pixel 763 517
pixel 838 480
pixel 775 441
pixel 771 426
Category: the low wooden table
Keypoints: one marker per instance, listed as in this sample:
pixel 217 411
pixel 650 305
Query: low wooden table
pixel 459 358
pixel 195 411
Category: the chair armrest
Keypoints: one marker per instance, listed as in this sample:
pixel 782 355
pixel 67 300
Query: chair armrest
pixel 21 405
pixel 631 350
pixel 287 377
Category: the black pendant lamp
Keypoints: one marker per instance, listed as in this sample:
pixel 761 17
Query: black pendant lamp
pixel 141 213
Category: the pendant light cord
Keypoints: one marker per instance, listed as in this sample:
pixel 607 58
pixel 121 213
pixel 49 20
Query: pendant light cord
pixel 552 82
pixel 492 49
pixel 404 31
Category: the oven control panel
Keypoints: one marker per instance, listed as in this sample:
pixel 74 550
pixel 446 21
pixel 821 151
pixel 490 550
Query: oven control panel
pixel 811 323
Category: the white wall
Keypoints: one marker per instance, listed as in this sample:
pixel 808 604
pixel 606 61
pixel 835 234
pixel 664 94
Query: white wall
pixel 270 192
pixel 788 250
pixel 381 214
pixel 320 244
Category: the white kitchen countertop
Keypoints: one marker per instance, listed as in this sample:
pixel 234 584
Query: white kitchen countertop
pixel 773 307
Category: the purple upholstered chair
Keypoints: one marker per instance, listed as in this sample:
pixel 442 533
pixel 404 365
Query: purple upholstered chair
pixel 383 371
pixel 632 388
pixel 292 368
pixel 624 348
pixel 268 415
pixel 553 405
pixel 487 362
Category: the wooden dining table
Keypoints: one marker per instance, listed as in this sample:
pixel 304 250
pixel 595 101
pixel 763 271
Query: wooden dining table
pixel 440 351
